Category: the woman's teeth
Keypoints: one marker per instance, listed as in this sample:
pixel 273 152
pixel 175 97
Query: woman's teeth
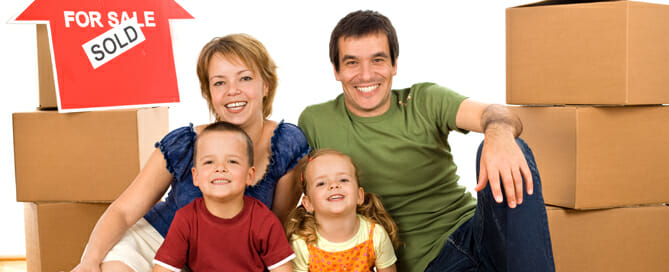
pixel 235 105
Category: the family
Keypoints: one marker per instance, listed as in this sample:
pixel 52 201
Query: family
pixel 364 182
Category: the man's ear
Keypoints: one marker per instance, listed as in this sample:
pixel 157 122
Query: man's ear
pixel 336 73
pixel 307 204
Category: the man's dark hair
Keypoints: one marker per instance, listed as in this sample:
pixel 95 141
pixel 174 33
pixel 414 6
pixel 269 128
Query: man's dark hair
pixel 361 23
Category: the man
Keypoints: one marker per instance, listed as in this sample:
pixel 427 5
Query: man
pixel 399 140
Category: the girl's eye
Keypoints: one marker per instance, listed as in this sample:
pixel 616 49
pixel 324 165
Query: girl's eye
pixel 320 183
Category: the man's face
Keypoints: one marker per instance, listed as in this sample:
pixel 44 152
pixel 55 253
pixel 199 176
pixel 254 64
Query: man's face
pixel 366 74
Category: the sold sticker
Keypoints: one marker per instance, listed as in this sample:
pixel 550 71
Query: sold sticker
pixel 114 42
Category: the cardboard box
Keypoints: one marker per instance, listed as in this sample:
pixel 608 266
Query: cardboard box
pixel 608 52
pixel 620 239
pixel 85 156
pixel 47 85
pixel 598 157
pixel 57 233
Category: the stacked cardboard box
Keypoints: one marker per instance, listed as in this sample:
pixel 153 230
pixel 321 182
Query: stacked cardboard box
pixel 70 166
pixel 592 78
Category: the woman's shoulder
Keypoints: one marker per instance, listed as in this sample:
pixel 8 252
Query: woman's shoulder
pixel 289 137
pixel 178 135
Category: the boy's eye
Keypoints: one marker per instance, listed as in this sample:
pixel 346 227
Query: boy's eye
pixel 207 162
pixel 344 180
pixel 234 161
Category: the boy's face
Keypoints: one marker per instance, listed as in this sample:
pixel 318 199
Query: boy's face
pixel 221 169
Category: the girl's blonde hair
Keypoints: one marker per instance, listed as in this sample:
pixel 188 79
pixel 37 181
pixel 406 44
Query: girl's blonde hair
pixel 252 53
pixel 303 223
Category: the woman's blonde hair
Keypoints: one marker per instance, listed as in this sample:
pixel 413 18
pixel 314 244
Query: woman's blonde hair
pixel 252 53
pixel 303 223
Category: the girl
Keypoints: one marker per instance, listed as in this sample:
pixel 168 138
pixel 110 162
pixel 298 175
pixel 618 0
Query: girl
pixel 339 227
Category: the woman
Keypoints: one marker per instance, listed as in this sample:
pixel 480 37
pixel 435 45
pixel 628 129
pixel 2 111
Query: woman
pixel 238 79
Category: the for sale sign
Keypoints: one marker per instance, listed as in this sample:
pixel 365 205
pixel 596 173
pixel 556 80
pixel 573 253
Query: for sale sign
pixel 109 53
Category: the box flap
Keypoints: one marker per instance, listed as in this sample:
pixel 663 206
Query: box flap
pixel 562 2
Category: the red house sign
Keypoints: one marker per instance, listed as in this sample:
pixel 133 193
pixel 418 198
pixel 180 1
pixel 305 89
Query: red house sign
pixel 109 53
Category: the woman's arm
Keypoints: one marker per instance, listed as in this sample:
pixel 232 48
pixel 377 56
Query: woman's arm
pixel 147 189
pixel 286 195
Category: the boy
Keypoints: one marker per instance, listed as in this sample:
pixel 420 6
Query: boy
pixel 224 230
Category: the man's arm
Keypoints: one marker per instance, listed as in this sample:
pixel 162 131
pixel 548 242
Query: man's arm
pixel 502 161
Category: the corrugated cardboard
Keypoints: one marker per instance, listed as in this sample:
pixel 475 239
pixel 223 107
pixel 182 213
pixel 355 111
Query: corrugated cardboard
pixel 620 239
pixel 47 87
pixel 86 156
pixel 596 157
pixel 57 233
pixel 607 52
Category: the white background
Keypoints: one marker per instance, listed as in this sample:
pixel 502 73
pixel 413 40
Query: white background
pixel 457 44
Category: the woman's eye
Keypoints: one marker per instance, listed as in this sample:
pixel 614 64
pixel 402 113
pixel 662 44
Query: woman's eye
pixel 247 78
pixel 218 83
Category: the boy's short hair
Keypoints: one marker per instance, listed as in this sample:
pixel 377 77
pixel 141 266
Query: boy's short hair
pixel 225 126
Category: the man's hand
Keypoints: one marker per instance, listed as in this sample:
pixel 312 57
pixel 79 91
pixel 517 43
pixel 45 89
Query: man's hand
pixel 503 162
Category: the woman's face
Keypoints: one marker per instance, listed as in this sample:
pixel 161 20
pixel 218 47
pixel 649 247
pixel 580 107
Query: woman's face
pixel 236 91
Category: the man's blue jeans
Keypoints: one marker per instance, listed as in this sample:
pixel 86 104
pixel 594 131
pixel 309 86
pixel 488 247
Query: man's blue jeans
pixel 498 238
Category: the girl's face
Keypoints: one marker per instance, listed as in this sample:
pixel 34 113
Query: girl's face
pixel 236 92
pixel 332 187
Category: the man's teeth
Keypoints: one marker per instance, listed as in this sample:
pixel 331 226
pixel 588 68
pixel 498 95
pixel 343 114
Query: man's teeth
pixel 235 105
pixel 367 89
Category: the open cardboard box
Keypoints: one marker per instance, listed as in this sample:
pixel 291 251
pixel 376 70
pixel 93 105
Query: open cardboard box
pixel 620 239
pixel 57 233
pixel 598 157
pixel 587 52
pixel 85 156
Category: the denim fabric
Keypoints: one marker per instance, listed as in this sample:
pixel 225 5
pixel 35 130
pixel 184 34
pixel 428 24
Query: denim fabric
pixel 288 145
pixel 498 238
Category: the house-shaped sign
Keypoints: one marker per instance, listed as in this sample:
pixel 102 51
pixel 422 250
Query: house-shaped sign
pixel 109 53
